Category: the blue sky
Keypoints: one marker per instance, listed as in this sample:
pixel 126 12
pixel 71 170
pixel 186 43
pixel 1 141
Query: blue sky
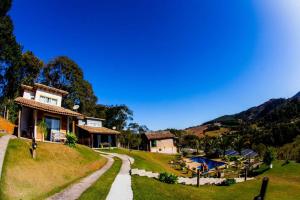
pixel 174 63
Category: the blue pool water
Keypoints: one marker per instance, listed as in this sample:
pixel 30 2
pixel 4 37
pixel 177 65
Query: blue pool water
pixel 210 163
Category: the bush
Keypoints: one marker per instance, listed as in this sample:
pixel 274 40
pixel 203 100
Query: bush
pixel 298 155
pixel 269 157
pixel 167 178
pixel 228 182
pixel 71 139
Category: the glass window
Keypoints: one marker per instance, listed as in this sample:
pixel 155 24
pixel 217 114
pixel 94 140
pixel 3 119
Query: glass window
pixel 48 100
pixel 153 143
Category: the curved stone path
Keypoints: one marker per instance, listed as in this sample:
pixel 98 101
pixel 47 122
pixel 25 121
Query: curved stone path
pixel 3 146
pixel 74 191
pixel 121 187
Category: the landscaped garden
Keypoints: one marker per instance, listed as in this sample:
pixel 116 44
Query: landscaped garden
pixel 284 183
pixel 55 167
pixel 155 162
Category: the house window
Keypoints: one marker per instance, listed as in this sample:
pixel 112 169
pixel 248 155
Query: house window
pixel 48 100
pixel 153 143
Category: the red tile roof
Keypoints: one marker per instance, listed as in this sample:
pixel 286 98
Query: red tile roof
pixel 101 130
pixel 159 135
pixel 46 107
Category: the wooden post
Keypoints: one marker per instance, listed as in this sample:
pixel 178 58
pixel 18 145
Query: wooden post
pixel 263 189
pixel 73 126
pixel 35 124
pixel 198 177
pixel 68 124
pixel 19 123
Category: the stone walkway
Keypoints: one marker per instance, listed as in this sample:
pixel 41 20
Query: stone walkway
pixel 74 191
pixel 3 146
pixel 185 180
pixel 121 187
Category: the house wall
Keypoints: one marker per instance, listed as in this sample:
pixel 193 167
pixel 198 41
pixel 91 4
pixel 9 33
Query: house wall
pixel 28 94
pixel 90 122
pixel 164 146
pixel 93 123
pixel 40 92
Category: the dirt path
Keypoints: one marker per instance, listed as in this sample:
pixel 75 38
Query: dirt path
pixel 3 146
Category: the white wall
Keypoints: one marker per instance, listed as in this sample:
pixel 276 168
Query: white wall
pixel 28 94
pixel 94 123
pixel 40 92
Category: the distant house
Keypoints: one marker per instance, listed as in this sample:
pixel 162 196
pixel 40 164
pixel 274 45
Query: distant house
pixel 40 102
pixel 93 134
pixel 160 142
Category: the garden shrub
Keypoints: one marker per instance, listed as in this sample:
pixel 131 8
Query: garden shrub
pixel 269 157
pixel 71 139
pixel 228 182
pixel 168 178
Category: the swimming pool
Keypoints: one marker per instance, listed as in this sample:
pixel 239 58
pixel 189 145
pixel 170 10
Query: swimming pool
pixel 210 163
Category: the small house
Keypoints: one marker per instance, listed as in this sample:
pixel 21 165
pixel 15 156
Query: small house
pixel 159 142
pixel 92 133
pixel 40 102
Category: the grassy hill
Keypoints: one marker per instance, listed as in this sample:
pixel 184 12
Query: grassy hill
pixel 284 184
pixel 56 167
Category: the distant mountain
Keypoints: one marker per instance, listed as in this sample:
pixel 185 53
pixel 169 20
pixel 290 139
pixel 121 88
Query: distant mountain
pixel 297 96
pixel 273 110
pixel 275 122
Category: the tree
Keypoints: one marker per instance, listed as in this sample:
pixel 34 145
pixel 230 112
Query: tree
pixel 10 55
pixel 5 6
pixel 192 141
pixel 224 142
pixel 63 73
pixel 137 129
pixel 269 157
pixel 118 116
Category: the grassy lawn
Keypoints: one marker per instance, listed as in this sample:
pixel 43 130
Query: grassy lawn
pixel 155 162
pixel 56 167
pixel 2 134
pixel 284 184
pixel 100 189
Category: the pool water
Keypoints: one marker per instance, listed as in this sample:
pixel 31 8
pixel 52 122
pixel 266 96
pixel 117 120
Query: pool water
pixel 210 163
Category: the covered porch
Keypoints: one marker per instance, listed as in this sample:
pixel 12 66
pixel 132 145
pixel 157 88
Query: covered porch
pixel 59 121
pixel 97 137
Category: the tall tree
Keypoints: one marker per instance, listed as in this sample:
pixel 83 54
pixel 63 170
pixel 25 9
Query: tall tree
pixel 10 50
pixel 65 74
pixel 10 57
pixel 137 129
pixel 118 116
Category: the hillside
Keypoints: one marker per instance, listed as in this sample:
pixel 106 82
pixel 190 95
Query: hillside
pixel 275 122
pixel 274 110
pixel 56 167
pixel 6 126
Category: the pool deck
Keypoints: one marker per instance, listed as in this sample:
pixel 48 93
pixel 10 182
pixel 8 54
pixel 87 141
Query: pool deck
pixel 192 165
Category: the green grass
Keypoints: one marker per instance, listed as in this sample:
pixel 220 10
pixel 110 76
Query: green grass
pixel 155 162
pixel 284 184
pixel 55 167
pixel 2 134
pixel 100 189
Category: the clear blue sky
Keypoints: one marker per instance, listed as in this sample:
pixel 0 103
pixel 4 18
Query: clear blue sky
pixel 175 63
